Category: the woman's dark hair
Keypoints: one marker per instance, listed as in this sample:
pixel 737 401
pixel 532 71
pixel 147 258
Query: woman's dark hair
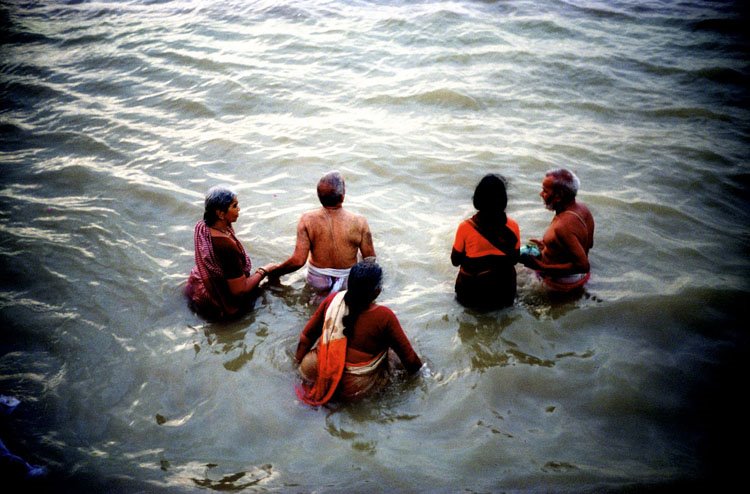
pixel 217 197
pixel 365 281
pixel 490 199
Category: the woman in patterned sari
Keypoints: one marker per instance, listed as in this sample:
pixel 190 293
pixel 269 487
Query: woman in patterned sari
pixel 221 285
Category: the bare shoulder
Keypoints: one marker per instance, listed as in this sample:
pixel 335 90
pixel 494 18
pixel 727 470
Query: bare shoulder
pixel 311 217
pixel 352 218
pixel 566 221
pixel 360 221
pixel 584 210
pixel 585 214
pixel 577 222
pixel 359 218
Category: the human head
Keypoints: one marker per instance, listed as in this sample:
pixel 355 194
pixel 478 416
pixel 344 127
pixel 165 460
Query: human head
pixel 490 195
pixel 563 184
pixel 365 282
pixel 331 189
pixel 217 198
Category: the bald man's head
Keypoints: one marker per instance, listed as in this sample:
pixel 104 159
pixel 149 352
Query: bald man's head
pixel 331 189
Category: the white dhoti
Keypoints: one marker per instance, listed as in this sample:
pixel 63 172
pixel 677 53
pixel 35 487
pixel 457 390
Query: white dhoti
pixel 327 279
pixel 565 283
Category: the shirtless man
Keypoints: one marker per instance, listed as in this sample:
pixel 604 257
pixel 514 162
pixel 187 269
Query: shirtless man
pixel 563 261
pixel 329 239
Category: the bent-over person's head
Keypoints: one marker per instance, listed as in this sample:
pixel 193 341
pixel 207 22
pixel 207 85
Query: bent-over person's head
pixel 564 184
pixel 331 189
pixel 365 282
pixel 218 198
pixel 490 195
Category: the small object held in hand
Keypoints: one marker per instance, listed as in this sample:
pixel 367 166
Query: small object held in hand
pixel 529 250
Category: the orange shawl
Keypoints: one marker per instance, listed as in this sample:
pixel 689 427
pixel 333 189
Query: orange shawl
pixel 331 355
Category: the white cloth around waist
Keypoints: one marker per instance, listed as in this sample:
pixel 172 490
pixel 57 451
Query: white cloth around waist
pixel 332 272
pixel 571 278
pixel 327 279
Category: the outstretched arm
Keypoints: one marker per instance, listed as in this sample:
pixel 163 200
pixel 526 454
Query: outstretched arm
pixel 299 256
pixel 246 284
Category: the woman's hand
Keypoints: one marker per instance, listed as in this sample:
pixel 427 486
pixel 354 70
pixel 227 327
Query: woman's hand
pixel 246 284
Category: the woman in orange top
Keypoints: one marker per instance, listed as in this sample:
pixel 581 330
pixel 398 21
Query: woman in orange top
pixel 486 249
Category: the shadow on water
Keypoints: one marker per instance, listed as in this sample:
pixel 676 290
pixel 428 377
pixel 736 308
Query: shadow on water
pixel 209 477
pixel 295 296
pixel 483 336
pixel 507 337
pixel 231 339
pixel 360 423
pixel 543 303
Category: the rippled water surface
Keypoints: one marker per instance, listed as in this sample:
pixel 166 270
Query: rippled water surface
pixel 116 117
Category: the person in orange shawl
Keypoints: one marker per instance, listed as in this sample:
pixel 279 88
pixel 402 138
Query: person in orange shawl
pixel 221 285
pixel 344 351
pixel 486 249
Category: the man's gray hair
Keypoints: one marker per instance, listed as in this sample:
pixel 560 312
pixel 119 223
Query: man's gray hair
pixel 565 182
pixel 331 189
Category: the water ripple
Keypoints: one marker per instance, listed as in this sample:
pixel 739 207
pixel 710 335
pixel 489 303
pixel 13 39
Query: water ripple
pixel 116 117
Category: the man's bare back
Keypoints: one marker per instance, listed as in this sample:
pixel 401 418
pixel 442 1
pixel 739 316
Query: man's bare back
pixel 329 237
pixel 334 237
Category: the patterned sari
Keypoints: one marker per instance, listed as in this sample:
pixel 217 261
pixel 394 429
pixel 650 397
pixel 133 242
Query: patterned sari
pixel 206 286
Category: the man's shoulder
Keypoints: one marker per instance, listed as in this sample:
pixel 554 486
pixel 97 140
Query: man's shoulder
pixel 583 212
pixel 577 205
pixel 585 209
pixel 312 215
pixel 319 216
pixel 353 217
pixel 573 219
pixel 358 217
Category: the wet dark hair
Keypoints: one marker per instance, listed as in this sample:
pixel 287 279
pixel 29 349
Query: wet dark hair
pixel 217 197
pixel 490 199
pixel 490 195
pixel 331 189
pixel 364 284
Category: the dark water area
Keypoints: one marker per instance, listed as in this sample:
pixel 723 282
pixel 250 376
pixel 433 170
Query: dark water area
pixel 116 117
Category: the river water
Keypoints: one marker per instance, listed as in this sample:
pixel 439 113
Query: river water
pixel 116 118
